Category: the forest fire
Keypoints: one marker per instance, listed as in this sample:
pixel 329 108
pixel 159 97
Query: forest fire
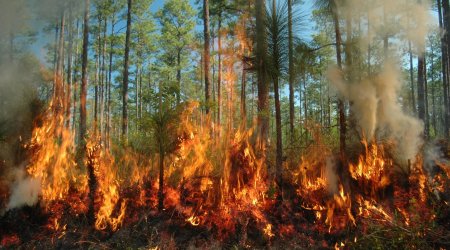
pixel 226 199
pixel 245 137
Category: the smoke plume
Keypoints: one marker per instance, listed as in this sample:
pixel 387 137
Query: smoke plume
pixel 374 97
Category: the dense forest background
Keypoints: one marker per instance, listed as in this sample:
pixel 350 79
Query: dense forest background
pixel 219 97
pixel 136 54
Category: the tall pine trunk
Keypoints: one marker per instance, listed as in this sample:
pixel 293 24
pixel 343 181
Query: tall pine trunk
pixel 83 94
pixel 261 67
pixel 276 77
pixel 179 76
pixel 108 105
pixel 125 76
pixel 219 70
pixel 206 52
pixel 291 72
pixel 341 106
pixel 69 70
pixel 421 87
pixel 59 80
pixel 444 17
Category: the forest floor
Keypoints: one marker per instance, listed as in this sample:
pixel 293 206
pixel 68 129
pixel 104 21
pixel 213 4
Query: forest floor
pixel 291 227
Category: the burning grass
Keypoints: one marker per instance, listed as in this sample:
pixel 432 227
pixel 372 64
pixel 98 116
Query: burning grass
pixel 219 193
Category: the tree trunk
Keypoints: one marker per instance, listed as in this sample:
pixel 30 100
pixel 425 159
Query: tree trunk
pixel 262 85
pixel 161 157
pixel 243 101
pixel 341 106
pixel 219 70
pixel 75 79
pixel 96 79
pixel 433 94
pixel 108 105
pixel 206 52
pixel 411 76
pixel 444 24
pixel 83 94
pixel 55 55
pixel 125 77
pixel 291 73
pixel 178 76
pixel 59 81
pixel 279 148
pixel 69 70
pixel 103 81
pixel 421 87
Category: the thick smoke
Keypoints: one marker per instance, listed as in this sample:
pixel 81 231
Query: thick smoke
pixel 25 191
pixel 24 85
pixel 375 101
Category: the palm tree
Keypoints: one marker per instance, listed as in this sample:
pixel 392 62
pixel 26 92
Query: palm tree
pixel 277 25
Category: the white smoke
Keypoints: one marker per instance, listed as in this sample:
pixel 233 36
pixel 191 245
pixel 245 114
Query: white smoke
pixel 25 191
pixel 375 101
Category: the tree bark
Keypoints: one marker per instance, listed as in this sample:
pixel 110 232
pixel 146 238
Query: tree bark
pixel 444 21
pixel 83 94
pixel 59 80
pixel 291 72
pixel 206 52
pixel 69 70
pixel 262 85
pixel 243 97
pixel 125 76
pixel 108 105
pixel 341 106
pixel 179 76
pixel 219 70
pixel 421 88
pixel 411 76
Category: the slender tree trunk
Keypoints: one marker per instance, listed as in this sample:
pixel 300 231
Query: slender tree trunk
pixel 433 94
pixel 206 52
pixel 59 81
pixel 140 93
pixel 83 94
pixel 55 56
pixel 411 76
pixel 103 81
pixel 427 113
pixel 421 87
pixel 108 105
pixel 291 72
pixel 279 148
pixel 69 69
pixel 161 157
pixel 96 78
pixel 445 24
pixel 262 85
pixel 243 101
pixel 341 106
pixel 179 76
pixel 138 73
pixel 75 79
pixel 125 77
pixel 219 73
